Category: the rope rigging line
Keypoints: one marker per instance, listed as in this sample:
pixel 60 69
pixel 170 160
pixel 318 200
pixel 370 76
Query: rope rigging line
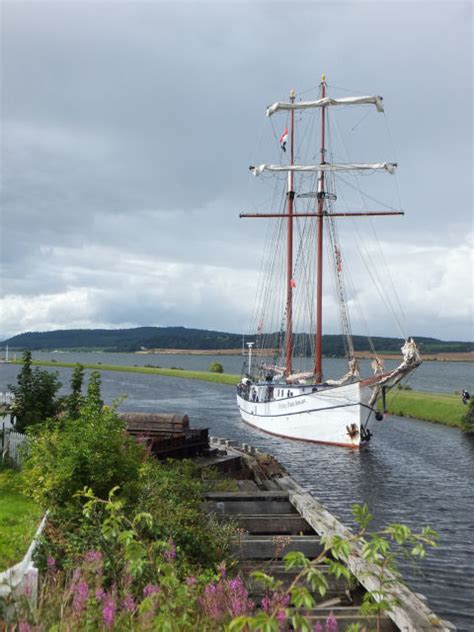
pixel 380 289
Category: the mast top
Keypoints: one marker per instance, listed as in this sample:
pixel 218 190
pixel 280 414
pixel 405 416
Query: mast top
pixel 323 78
pixel 292 94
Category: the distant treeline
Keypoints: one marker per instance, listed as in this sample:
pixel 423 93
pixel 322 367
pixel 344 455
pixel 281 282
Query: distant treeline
pixel 127 340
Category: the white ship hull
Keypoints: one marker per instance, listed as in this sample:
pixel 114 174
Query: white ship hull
pixel 336 415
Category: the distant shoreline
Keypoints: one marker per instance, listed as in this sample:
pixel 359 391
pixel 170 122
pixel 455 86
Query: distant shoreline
pixel 363 355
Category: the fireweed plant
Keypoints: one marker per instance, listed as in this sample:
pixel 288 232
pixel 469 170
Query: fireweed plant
pixel 128 546
pixel 134 582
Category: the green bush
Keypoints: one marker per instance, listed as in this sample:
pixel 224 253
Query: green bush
pixel 216 367
pixel 173 494
pixel 90 450
pixel 35 395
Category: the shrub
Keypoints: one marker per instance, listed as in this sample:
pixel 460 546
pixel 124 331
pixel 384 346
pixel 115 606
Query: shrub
pixel 90 450
pixel 35 395
pixel 173 494
pixel 216 367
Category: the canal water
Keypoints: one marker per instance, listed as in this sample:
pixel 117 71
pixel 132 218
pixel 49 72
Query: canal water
pixel 413 472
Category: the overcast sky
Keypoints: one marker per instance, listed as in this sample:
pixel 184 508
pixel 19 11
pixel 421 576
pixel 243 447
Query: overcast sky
pixel 127 129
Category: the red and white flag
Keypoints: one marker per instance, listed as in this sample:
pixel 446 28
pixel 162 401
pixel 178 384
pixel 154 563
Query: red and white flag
pixel 283 139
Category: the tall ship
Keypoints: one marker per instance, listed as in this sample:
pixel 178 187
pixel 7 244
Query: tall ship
pixel 285 389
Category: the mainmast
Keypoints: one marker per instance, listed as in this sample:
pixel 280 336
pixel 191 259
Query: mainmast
pixel 318 369
pixel 289 265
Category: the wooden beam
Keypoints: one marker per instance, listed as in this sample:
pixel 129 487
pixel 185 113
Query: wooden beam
pixel 368 214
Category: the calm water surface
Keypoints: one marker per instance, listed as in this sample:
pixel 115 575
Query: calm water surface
pixel 413 472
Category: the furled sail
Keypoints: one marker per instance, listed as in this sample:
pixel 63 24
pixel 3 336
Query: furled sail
pixel 388 166
pixel 305 105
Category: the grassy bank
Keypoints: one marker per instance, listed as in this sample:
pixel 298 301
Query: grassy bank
pixel 206 376
pixel 441 408
pixel 437 407
pixel 19 519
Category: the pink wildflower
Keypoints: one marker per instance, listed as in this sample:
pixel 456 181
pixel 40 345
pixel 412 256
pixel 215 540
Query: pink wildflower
pixel 151 589
pixel 128 605
pixel 281 616
pixel 81 593
pixel 331 623
pixel 24 626
pixel 191 580
pixel 266 605
pixel 51 563
pixel 108 611
pixel 170 553
pixel 227 596
pixel 276 602
pixel 93 556
pixel 318 627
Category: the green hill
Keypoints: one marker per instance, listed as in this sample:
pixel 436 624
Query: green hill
pixel 182 338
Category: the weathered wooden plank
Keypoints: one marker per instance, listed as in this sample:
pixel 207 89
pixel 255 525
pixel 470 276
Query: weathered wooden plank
pixel 413 615
pixel 232 507
pixel 279 524
pixel 267 547
pixel 155 419
pixel 248 495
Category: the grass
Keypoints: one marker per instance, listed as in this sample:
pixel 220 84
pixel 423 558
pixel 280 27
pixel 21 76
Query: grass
pixel 440 408
pixel 206 376
pixel 437 407
pixel 19 519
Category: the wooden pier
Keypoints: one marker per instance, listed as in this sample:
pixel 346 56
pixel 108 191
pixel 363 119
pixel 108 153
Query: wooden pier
pixel 276 516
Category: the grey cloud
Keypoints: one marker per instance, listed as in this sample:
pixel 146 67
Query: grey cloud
pixel 127 129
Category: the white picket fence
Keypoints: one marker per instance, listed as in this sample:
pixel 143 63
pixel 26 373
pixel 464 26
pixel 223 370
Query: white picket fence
pixel 21 580
pixel 11 443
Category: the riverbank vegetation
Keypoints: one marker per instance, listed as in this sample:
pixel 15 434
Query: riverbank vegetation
pixel 442 408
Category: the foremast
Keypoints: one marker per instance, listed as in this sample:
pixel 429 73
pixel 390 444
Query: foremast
pixel 318 368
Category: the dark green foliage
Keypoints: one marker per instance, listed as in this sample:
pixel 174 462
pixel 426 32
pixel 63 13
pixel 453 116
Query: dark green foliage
pixel 75 400
pixel 35 395
pixel 91 450
pixel 94 399
pixel 216 367
pixel 172 494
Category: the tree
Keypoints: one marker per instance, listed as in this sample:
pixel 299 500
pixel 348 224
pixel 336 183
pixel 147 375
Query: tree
pixel 94 399
pixel 75 400
pixel 216 367
pixel 35 394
